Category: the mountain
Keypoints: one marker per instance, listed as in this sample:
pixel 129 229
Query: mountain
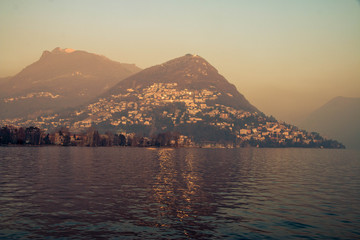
pixel 339 118
pixel 59 79
pixel 188 72
pixel 186 97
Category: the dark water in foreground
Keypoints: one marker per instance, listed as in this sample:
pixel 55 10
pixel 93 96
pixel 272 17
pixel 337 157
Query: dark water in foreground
pixel 136 193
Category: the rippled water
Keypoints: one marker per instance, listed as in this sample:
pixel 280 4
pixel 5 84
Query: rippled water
pixel 137 193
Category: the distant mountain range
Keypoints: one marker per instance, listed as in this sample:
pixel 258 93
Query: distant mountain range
pixel 339 118
pixel 185 95
pixel 60 79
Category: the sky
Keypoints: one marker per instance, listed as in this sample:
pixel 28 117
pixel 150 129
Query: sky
pixel 287 57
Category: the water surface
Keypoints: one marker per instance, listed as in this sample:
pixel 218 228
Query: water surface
pixel 138 193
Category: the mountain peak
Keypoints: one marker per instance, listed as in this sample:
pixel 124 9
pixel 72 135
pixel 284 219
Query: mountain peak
pixel 191 55
pixel 190 65
pixel 58 50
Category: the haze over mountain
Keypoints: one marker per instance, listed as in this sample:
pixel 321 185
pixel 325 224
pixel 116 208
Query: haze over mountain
pixel 59 79
pixel 339 119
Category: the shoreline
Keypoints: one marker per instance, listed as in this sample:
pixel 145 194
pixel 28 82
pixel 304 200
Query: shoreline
pixel 165 147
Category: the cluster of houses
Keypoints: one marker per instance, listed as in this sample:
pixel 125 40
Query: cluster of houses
pixel 136 108
pixel 277 132
pixel 166 102
pixel 31 95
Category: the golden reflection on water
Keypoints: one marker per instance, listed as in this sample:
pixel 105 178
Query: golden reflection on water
pixel 191 177
pixel 177 184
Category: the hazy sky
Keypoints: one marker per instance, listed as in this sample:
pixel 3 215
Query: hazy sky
pixel 287 57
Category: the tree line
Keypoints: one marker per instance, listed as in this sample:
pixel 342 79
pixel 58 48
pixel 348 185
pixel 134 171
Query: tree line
pixel 92 138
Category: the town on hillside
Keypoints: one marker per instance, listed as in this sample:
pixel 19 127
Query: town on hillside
pixel 141 116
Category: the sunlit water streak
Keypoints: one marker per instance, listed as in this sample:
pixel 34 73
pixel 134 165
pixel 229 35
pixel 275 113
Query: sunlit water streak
pixel 105 193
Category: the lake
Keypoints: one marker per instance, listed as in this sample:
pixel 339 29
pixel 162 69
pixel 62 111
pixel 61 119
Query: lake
pixel 186 193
